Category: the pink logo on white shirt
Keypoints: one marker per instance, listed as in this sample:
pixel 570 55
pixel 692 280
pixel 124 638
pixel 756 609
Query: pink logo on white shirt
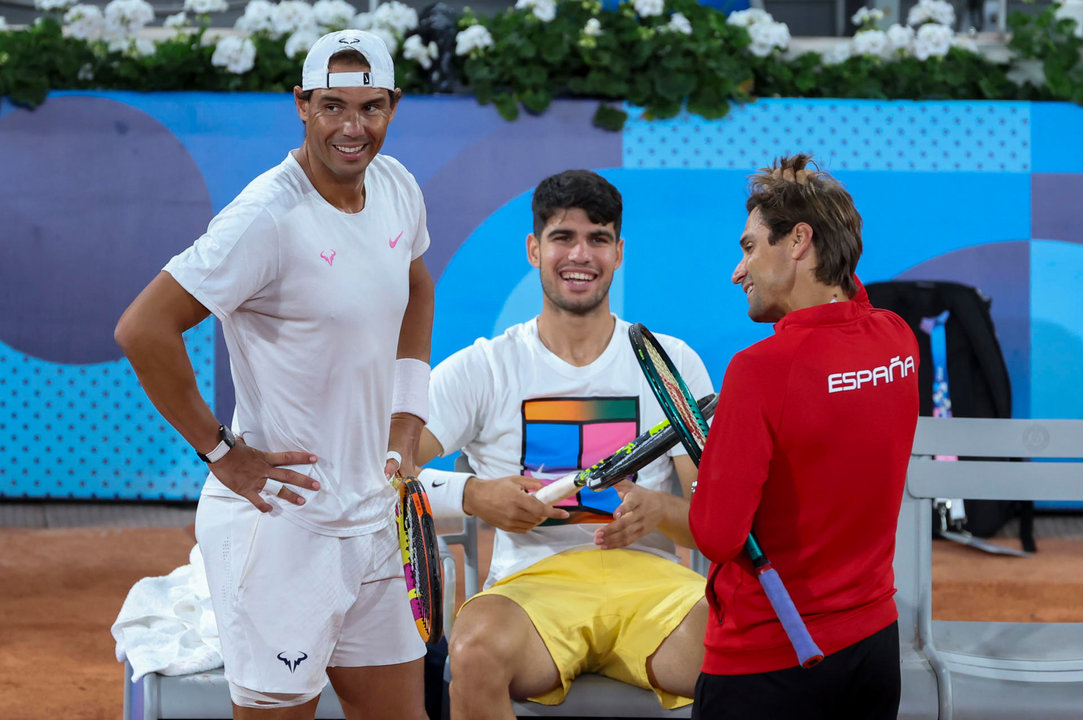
pixel 329 258
pixel 395 242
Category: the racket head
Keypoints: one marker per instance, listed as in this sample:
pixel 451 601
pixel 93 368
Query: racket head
pixel 673 395
pixel 639 453
pixel 420 558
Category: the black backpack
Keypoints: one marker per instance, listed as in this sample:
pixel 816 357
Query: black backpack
pixel 978 379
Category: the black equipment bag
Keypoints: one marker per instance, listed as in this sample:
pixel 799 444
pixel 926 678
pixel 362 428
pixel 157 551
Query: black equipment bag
pixel 978 379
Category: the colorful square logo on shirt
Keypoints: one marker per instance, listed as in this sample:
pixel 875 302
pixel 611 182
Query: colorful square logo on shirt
pixel 561 435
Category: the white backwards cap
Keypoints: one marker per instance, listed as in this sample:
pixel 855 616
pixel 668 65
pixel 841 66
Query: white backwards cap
pixel 381 73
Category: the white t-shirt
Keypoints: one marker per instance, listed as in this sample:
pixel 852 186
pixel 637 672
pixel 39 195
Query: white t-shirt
pixel 515 408
pixel 311 301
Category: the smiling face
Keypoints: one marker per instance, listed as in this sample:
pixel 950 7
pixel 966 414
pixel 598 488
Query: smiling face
pixel 345 127
pixel 576 258
pixel 767 273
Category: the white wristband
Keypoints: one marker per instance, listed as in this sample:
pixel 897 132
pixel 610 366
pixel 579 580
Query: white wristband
pixel 394 455
pixel 445 490
pixel 411 390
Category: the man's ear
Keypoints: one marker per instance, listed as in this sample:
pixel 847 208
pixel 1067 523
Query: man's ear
pixel 301 103
pixel 533 250
pixel 802 240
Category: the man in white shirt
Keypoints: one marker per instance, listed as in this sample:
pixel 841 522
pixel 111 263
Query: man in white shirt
pixel 315 273
pixel 548 396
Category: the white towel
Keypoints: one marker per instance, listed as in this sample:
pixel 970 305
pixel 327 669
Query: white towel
pixel 166 624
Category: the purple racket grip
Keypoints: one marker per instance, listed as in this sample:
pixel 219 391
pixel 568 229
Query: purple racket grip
pixel 807 652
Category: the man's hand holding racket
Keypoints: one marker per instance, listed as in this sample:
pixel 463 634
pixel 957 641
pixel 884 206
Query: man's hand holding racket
pixel 505 503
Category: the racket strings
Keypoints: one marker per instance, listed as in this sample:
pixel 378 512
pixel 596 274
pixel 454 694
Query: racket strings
pixel 420 565
pixel 677 397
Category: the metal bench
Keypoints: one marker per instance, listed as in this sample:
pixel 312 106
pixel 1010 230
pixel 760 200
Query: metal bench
pixel 984 670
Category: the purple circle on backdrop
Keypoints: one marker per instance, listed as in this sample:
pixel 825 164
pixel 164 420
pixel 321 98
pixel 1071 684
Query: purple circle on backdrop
pixel 98 196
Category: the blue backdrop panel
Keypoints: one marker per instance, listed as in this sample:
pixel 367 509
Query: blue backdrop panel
pixel 100 189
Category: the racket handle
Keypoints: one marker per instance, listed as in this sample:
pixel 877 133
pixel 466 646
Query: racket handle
pixel 808 654
pixel 558 489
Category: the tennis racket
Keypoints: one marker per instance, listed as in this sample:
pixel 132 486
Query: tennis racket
pixel 420 557
pixel 634 456
pixel 689 424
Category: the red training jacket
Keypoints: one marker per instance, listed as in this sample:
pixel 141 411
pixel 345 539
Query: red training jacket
pixel 808 448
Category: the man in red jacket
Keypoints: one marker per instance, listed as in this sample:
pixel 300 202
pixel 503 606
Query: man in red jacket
pixel 808 449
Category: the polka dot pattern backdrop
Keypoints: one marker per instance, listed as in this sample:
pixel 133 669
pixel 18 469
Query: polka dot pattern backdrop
pixel 842 134
pixel 89 431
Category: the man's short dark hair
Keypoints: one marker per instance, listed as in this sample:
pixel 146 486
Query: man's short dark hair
pixel 794 190
pixel 583 189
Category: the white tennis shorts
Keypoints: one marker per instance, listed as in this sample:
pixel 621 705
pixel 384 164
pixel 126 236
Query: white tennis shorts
pixel 290 603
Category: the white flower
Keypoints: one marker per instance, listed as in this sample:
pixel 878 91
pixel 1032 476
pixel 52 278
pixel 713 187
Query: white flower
pixel 931 11
pixel 85 22
pixel 473 40
pixel 291 16
pixel 768 36
pixel 1073 11
pixel 51 5
pixel 867 16
pixel 259 16
pixel 964 43
pixel 900 39
pixel 235 54
pixel 301 42
pixel 932 40
pixel 680 24
pixel 336 14
pixel 388 37
pixel 143 47
pixel 747 18
pixel 593 28
pixel 362 21
pixel 870 42
pixel 177 20
pixel 396 17
pixel 203 7
pixel 124 17
pixel 840 53
pixel 649 8
pixel 119 44
pixel 416 50
pixel 544 10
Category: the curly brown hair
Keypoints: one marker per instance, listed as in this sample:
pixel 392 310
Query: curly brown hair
pixel 795 190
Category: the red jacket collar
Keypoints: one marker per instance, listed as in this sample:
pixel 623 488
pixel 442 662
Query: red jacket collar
pixel 829 313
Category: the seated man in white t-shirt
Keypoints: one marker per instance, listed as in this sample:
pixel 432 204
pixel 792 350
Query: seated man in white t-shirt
pixel 548 396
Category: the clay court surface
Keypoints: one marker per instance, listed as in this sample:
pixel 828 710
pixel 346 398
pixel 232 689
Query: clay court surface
pixel 65 570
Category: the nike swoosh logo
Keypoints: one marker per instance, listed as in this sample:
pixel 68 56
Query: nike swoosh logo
pixel 438 483
pixel 395 242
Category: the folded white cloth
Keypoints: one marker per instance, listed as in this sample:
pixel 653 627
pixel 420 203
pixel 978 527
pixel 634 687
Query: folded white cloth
pixel 166 624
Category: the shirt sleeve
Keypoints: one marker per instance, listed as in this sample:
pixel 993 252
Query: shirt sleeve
pixel 735 462
pixel 233 262
pixel 421 233
pixel 459 392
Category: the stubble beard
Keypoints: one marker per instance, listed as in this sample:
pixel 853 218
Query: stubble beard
pixel 581 307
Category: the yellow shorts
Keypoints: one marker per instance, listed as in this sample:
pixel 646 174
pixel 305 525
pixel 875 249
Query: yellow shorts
pixel 604 611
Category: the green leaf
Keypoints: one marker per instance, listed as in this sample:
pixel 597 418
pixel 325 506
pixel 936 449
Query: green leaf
pixel 608 117
pixel 507 107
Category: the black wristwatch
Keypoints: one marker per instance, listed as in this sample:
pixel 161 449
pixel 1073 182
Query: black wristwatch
pixel 225 442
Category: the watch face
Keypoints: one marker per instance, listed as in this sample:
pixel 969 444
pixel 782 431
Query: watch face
pixel 227 436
